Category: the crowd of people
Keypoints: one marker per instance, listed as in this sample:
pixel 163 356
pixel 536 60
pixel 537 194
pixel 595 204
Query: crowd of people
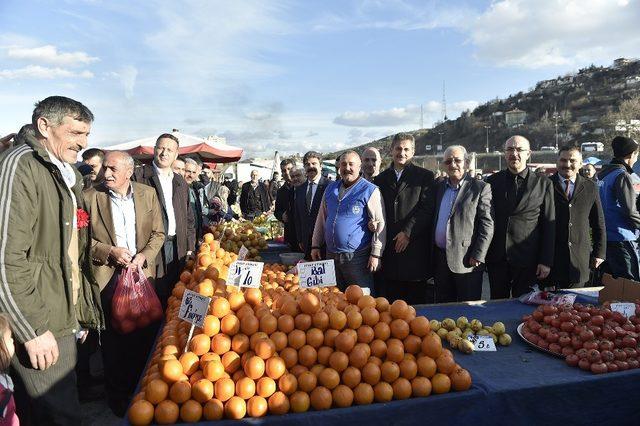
pixel 68 231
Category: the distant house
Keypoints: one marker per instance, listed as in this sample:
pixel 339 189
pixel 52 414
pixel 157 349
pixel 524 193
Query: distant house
pixel 515 117
pixel 621 62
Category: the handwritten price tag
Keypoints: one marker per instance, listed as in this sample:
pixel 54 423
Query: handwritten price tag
pixel 194 307
pixel 317 274
pixel 243 252
pixel 482 343
pixel 243 273
pixel 626 309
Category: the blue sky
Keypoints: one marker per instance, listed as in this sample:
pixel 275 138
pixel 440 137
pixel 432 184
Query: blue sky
pixel 293 75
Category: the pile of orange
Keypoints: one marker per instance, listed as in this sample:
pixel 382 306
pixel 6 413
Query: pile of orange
pixel 234 235
pixel 281 349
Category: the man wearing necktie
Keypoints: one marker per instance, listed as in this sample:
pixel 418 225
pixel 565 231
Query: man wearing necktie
pixel 522 248
pixel 307 201
pixel 580 232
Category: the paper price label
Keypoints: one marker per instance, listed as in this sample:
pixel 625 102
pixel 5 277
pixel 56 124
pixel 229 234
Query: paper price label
pixel 194 307
pixel 243 273
pixel 626 309
pixel 243 252
pixel 317 274
pixel 482 343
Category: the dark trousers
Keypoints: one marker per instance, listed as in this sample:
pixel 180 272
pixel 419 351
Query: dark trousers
pixel 452 287
pixel 508 281
pixel 622 259
pixel 412 292
pixel 352 268
pixel 83 366
pixel 168 273
pixel 124 356
pixel 47 397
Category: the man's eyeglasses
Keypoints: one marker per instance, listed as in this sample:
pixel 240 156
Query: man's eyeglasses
pixel 448 161
pixel 518 150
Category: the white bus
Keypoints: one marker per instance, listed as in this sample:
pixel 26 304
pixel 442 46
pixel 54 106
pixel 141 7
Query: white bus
pixel 592 147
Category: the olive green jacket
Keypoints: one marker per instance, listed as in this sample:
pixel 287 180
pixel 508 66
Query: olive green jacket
pixel 36 220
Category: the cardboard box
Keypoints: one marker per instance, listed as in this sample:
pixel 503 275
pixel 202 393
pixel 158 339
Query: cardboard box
pixel 619 289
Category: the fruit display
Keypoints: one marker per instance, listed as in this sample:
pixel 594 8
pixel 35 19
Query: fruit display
pixel 456 332
pixel 269 226
pixel 233 235
pixel 589 337
pixel 280 348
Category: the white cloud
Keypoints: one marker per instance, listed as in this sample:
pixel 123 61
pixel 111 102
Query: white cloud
pixel 50 55
pixel 44 73
pixel 127 76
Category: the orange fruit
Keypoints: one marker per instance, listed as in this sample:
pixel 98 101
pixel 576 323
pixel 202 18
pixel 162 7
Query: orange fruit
pixel 235 408
pixel 351 377
pixel 389 371
pixel 220 307
pixel 371 374
pixel 265 387
pixel 208 357
pixel 191 411
pixel 156 391
pixel 220 344
pixel 342 396
pixel 288 384
pixel 180 392
pixel 211 325
pixel 329 378
pixel 299 402
pixel 230 325
pixel 440 383
pixel 224 389
pixel 420 326
pixel 200 344
pixel 279 403
pixel 337 320
pixel 309 303
pixel 426 366
pixel 370 316
pixel 245 388
pixel 399 309
pixel 249 324
pixel 265 348
pixel 307 381
pixel 339 361
pixel 141 413
pixel 363 394
pixel 254 367
pixel 236 301
pixel 432 345
pixel 202 391
pixel 445 364
pixel 383 392
pixel 213 409
pixel 213 370
pixel 460 379
pixel 353 293
pixel 240 343
pixel 190 361
pixel 167 412
pixel 275 367
pixel 171 371
pixel 231 362
pixel 321 398
pixel 257 406
pixel 401 388
pixel 286 323
pixel 307 355
pixel 420 386
pixel 205 288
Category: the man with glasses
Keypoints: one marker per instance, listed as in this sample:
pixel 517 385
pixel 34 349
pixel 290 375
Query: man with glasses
pixel 462 230
pixel 523 244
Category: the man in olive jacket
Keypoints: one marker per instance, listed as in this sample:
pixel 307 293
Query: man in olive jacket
pixel 46 285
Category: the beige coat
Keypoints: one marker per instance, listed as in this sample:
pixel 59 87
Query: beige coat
pixel 149 229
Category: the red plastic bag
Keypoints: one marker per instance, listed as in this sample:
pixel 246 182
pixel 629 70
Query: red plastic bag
pixel 135 304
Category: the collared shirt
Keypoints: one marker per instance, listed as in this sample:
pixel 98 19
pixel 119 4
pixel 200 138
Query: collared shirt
pixel 166 182
pixel 446 205
pixel 123 213
pixel 398 173
pixel 563 184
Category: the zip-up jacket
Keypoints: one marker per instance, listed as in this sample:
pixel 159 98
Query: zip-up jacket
pixel 619 187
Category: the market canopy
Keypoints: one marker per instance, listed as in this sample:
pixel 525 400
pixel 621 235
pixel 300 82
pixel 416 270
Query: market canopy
pixel 592 160
pixel 210 150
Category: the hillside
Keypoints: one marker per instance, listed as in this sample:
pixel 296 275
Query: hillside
pixel 585 105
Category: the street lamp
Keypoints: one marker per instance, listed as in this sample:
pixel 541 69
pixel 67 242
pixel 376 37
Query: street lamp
pixel 487 129
pixel 555 117
pixel 440 133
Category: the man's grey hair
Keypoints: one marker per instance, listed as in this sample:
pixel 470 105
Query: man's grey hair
pixel 190 161
pixel 458 147
pixel 125 158
pixel 55 108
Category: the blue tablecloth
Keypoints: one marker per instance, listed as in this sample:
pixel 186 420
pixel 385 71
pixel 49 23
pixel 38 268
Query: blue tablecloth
pixel 517 385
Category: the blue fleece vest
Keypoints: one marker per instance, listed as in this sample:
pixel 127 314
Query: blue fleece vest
pixel 619 227
pixel 345 227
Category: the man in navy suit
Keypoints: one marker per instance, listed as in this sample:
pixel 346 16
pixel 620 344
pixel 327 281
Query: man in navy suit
pixel 308 197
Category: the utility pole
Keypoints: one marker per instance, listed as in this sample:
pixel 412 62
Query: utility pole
pixel 555 117
pixel 440 133
pixel 487 129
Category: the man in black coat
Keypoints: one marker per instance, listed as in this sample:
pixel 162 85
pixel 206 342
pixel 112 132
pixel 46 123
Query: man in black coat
pixel 284 204
pixel 254 199
pixel 524 238
pixel 308 197
pixel 578 214
pixel 409 200
pixel 178 218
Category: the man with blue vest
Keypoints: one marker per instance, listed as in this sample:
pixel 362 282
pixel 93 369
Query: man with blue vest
pixel 619 188
pixel 347 207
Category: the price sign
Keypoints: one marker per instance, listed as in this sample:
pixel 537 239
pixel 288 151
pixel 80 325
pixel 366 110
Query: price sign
pixel 317 274
pixel 243 273
pixel 626 309
pixel 482 343
pixel 194 307
pixel 242 254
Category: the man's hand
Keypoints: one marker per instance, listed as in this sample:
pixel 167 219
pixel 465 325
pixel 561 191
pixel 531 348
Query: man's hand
pixel 43 351
pixel 285 217
pixel 542 272
pixel 596 262
pixel 122 256
pixel 373 225
pixel 474 262
pixel 373 264
pixel 402 241
pixel 315 254
pixel 138 260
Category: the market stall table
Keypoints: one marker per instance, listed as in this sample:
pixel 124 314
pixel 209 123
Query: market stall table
pixel 517 385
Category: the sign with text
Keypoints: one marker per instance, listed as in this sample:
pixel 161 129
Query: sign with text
pixel 482 343
pixel 194 307
pixel 626 309
pixel 244 273
pixel 243 252
pixel 317 274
